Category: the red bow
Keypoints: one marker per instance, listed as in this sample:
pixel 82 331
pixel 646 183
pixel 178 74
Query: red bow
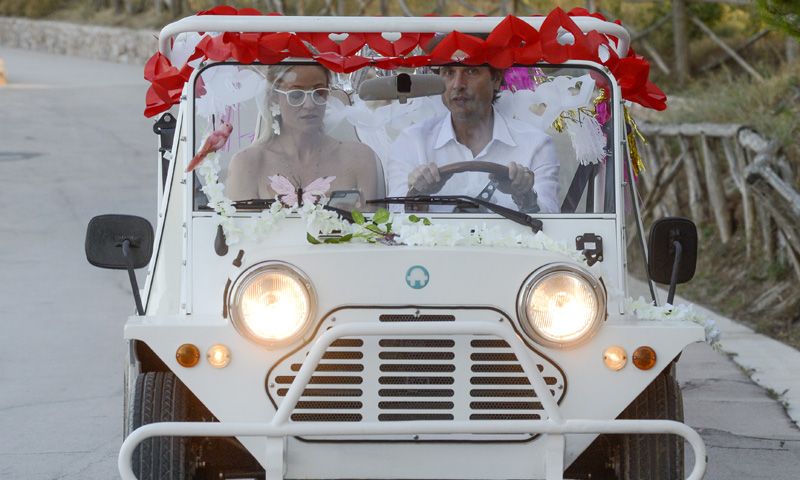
pixel 513 41
pixel 631 74
pixel 562 39
pixel 166 84
pixel 460 47
pixel 402 46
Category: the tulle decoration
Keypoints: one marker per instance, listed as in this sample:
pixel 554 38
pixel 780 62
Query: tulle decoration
pixel 587 139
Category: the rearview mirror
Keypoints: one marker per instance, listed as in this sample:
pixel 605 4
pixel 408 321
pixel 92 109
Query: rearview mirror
pixel 662 249
pixel 401 87
pixel 105 235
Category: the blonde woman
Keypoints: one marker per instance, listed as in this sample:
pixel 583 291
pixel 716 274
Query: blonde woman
pixel 298 147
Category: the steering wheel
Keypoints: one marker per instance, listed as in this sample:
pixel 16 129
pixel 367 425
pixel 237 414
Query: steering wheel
pixel 446 171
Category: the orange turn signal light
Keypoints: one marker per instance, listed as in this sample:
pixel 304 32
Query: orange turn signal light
pixel 644 358
pixel 187 355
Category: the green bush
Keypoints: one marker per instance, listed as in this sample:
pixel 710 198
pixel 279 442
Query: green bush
pixel 41 8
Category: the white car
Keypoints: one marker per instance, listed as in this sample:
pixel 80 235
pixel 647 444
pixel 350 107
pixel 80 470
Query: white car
pixel 302 327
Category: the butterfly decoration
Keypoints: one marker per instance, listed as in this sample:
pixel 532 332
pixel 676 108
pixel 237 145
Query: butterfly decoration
pixel 290 194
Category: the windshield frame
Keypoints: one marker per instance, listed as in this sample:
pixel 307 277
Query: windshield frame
pixel 615 155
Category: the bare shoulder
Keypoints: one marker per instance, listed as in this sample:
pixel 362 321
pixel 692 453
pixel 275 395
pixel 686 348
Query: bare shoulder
pixel 248 157
pixel 357 153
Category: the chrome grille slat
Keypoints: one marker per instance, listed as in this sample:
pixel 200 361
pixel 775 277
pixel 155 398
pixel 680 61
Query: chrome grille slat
pixel 415 378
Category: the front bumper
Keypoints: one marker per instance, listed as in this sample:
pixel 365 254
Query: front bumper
pixel 553 428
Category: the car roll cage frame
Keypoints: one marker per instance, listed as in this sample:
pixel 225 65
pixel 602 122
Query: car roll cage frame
pixel 279 429
pixel 279 23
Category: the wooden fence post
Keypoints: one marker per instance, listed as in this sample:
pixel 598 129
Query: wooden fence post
pixel 716 193
pixel 693 179
pixel 680 37
pixel 733 155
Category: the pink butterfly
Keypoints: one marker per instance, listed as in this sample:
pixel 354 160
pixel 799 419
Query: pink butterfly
pixel 290 195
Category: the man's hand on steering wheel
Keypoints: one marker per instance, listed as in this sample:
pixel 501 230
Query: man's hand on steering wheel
pixel 425 179
pixel 520 185
pixel 519 182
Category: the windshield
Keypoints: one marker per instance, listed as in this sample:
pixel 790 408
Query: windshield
pixel 535 139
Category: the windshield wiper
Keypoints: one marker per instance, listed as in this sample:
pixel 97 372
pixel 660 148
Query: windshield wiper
pixel 255 203
pixel 463 201
pixel 264 203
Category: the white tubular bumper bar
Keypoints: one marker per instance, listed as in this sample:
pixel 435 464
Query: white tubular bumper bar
pixel 554 428
pixel 246 23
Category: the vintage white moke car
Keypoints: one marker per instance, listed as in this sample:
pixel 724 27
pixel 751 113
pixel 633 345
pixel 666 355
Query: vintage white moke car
pixel 348 331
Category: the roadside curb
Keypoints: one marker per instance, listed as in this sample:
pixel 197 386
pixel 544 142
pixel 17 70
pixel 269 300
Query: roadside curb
pixel 769 363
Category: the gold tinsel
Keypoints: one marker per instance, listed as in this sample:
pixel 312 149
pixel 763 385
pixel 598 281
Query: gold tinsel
pixel 636 159
pixel 575 115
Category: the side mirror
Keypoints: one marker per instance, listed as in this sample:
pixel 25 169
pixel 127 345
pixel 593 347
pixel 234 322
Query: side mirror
pixel 120 242
pixel 401 87
pixel 672 252
pixel 106 235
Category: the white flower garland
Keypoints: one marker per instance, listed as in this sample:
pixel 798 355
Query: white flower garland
pixel 320 221
pixel 645 310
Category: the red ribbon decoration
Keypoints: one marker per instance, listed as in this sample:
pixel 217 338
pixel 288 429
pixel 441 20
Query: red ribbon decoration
pixel 513 41
pixel 166 84
pixel 398 48
pixel 556 52
pixel 460 47
pixel 631 74
pixel 324 44
pixel 342 64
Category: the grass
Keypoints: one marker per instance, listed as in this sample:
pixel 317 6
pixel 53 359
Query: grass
pixel 745 289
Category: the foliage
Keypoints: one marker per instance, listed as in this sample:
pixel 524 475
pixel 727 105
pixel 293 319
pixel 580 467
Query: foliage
pixel 772 107
pixel 781 14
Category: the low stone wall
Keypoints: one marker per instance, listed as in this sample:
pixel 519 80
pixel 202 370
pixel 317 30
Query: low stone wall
pixel 99 43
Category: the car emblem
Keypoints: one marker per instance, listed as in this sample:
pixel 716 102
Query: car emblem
pixel 417 277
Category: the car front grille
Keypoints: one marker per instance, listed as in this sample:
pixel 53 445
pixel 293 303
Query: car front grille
pixel 390 379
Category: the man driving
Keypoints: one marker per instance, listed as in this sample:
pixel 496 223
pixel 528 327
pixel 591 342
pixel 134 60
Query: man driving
pixel 474 130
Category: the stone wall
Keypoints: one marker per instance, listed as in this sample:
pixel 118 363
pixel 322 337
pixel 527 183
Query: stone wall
pixel 98 43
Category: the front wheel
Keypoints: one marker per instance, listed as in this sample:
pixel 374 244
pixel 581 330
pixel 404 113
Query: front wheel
pixel 653 456
pixel 636 457
pixel 160 397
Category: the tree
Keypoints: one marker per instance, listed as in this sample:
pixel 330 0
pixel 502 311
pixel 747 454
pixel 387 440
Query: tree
pixel 781 14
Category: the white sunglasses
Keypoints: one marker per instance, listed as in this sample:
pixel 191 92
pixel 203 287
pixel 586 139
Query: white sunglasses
pixel 297 97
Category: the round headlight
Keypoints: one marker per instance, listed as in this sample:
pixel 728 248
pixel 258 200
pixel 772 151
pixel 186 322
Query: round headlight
pixel 272 303
pixel 561 305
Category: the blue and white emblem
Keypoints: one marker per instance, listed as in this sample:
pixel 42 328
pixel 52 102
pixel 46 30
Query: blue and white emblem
pixel 417 277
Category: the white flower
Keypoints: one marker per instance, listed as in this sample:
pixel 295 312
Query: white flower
pixel 645 310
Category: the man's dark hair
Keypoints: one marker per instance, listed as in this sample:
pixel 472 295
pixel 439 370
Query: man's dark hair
pixel 495 72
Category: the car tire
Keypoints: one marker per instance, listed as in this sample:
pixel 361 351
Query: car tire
pixel 637 457
pixel 160 397
pixel 653 456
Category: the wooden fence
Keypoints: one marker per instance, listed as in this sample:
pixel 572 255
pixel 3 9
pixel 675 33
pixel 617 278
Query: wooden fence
pixel 728 174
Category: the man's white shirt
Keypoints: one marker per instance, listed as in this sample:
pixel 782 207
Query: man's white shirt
pixel 434 140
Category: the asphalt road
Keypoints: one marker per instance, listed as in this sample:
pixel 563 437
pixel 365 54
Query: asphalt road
pixel 74 144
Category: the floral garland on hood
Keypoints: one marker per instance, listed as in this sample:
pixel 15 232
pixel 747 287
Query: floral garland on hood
pixel 512 41
pixel 645 310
